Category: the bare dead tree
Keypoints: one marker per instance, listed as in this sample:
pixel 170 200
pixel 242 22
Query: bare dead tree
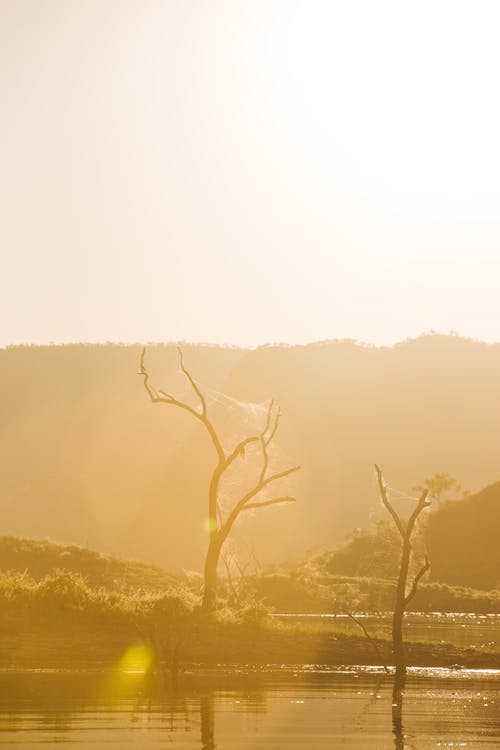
pixel 219 526
pixel 403 596
pixel 402 601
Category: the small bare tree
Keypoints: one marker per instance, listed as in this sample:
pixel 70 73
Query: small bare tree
pixel 403 598
pixel 220 525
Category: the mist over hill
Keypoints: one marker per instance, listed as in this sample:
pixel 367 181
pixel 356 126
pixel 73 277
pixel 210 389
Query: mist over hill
pixel 87 459
pixel 460 537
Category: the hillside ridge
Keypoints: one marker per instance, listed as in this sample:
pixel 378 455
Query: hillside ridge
pixel 88 460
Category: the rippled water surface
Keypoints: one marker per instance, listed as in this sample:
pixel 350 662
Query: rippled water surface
pixel 458 628
pixel 269 709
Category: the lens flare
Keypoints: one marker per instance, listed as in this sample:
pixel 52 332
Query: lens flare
pixel 210 525
pixel 138 659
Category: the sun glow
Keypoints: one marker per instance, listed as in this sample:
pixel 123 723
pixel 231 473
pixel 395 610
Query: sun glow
pixel 323 157
pixel 392 101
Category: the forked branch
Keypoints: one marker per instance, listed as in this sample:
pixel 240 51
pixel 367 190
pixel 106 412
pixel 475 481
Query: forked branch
pixel 385 499
pixel 161 396
pixel 273 501
pixel 244 502
pixel 193 384
pixel 423 570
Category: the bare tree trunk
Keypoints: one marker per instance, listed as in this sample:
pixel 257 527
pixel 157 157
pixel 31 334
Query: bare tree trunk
pixel 209 602
pixel 398 646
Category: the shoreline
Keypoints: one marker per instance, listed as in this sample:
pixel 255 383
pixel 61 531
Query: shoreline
pixel 209 646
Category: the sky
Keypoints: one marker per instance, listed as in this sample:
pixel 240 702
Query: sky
pixel 248 171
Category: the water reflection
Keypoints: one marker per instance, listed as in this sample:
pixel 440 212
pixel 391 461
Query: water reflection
pixel 243 710
pixel 397 708
pixel 207 713
pixel 464 630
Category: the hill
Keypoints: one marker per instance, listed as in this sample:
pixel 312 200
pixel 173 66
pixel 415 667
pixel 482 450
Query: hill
pixel 462 542
pixel 87 460
pixel 40 575
pixel 41 559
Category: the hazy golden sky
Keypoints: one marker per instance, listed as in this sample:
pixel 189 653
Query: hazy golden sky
pixel 247 171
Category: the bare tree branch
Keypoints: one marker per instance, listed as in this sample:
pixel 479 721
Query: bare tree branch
pixel 264 443
pixel 423 570
pixel 274 501
pixel 239 450
pixel 275 427
pixel 422 503
pixel 383 494
pixel 195 387
pixel 268 416
pixel 278 475
pixel 145 376
pixel 265 483
pixel 241 504
pixel 369 638
pixel 168 398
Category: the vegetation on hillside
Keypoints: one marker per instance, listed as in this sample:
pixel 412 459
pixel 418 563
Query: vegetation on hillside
pixel 111 584
pixel 463 540
pixel 41 558
pixel 307 590
pixel 461 537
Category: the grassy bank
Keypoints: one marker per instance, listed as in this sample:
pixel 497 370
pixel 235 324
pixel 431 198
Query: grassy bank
pixel 63 622
pixel 210 644
pixel 304 588
pixel 69 607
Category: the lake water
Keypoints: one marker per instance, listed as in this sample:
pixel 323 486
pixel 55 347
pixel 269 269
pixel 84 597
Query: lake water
pixel 273 708
pixel 460 629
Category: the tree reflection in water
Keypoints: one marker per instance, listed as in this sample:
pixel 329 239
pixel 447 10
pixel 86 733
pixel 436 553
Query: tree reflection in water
pixel 207 721
pixel 279 708
pixel 397 710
